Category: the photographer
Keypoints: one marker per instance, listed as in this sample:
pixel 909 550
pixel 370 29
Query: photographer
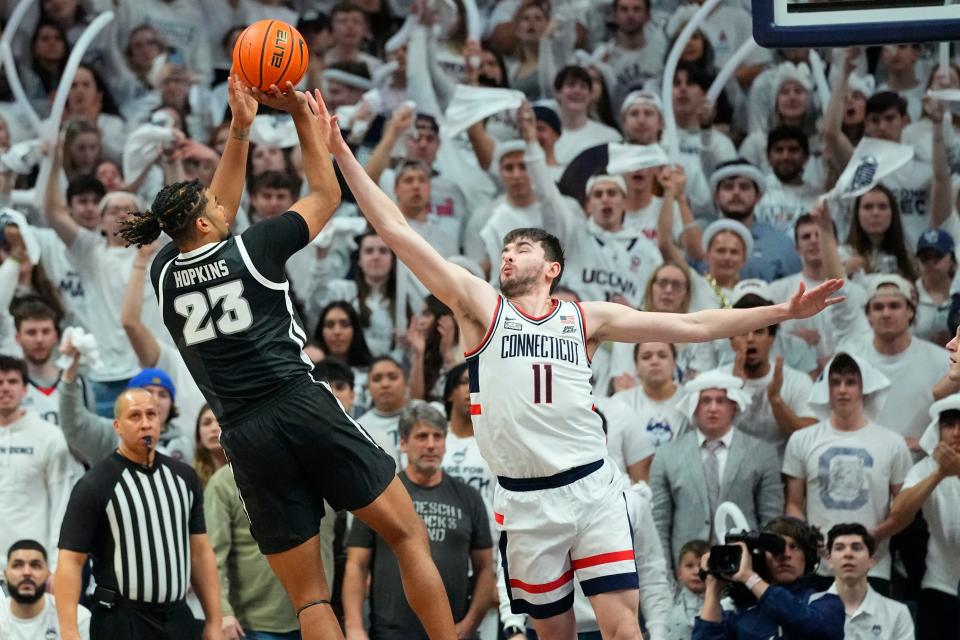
pixel 771 600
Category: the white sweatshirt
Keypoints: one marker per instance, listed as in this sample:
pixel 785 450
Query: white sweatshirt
pixel 37 473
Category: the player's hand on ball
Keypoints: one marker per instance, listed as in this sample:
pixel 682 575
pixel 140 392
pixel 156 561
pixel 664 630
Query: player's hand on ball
pixel 289 99
pixel 243 104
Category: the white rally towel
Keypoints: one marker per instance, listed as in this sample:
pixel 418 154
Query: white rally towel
pixel 83 342
pixel 274 131
pixel 14 217
pixel 341 229
pixel 470 105
pixel 144 146
pixel 712 379
pixel 872 160
pixel 875 388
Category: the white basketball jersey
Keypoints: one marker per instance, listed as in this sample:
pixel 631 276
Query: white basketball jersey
pixel 530 393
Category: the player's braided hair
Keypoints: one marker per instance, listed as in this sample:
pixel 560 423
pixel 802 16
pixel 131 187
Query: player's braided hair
pixel 174 210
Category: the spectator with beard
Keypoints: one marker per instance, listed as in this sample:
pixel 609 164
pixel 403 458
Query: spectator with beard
pixel 787 195
pixel 33 612
pixel 638 48
pixel 737 186
pixel 38 336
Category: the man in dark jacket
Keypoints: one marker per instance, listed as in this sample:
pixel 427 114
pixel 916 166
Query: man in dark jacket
pixel 780 606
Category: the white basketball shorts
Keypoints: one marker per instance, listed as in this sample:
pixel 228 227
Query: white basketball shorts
pixel 572 523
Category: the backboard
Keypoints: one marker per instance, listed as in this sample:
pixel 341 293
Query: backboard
pixel 809 23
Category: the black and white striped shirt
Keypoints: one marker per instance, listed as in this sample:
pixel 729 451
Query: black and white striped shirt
pixel 136 523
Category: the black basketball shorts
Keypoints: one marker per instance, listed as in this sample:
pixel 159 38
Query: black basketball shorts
pixel 293 454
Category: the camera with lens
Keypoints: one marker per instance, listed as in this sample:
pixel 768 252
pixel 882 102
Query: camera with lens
pixel 725 559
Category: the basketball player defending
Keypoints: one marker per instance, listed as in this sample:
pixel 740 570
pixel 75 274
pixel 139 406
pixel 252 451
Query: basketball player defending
pixel 225 300
pixel 559 502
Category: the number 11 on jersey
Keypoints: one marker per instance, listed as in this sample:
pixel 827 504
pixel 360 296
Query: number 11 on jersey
pixel 543 383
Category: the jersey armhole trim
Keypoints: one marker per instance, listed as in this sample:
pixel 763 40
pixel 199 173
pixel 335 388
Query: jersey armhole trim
pixel 160 279
pixel 583 328
pixel 490 329
pixel 259 277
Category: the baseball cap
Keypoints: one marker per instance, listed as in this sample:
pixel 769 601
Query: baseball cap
pixel 936 239
pixel 750 286
pixel 153 377
pixel 546 112
pixel 902 285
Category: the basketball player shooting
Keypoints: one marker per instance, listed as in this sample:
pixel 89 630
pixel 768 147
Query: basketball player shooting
pixel 225 300
pixel 559 502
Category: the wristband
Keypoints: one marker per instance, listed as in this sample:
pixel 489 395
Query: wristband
pixel 752 581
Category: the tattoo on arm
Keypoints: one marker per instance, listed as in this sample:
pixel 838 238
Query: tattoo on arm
pixel 240 134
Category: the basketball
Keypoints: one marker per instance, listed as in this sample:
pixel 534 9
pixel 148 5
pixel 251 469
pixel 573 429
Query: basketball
pixel 270 52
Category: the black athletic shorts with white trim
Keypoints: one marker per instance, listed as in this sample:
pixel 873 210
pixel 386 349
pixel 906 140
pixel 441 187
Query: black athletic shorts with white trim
pixel 296 452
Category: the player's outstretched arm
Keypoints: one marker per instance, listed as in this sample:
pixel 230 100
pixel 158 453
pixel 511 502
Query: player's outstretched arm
pixel 453 285
pixel 611 321
pixel 313 123
pixel 228 179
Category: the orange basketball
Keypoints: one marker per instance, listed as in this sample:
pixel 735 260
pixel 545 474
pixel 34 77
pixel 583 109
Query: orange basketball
pixel 270 52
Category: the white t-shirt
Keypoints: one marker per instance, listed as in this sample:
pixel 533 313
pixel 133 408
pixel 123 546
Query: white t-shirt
pixel 942 513
pixel 62 275
pixel 105 271
pixel 658 419
pixel 384 429
pixel 463 460
pixel 848 477
pixel 726 28
pixel 783 289
pixel 782 204
pixel 446 215
pixel 645 219
pixel 626 443
pixel 913 372
pixel 931 317
pixel 632 67
pixel 911 186
pixel 758 420
pixel 573 141
pixel 45 626
pixel 504 217
pixel 37 474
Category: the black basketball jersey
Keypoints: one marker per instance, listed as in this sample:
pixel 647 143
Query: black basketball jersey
pixel 228 307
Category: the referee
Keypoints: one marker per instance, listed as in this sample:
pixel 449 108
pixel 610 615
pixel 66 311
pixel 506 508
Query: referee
pixel 140 515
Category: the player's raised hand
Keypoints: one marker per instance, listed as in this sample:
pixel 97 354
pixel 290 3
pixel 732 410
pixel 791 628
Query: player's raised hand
pixel 243 104
pixel 326 123
pixel 334 139
pixel 805 303
pixel 289 99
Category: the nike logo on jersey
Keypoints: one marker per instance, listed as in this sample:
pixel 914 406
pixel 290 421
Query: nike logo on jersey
pixel 202 273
